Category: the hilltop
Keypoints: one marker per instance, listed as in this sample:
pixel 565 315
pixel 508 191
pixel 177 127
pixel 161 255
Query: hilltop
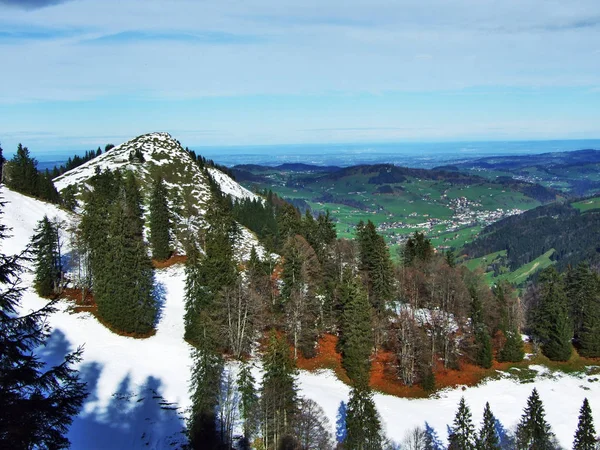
pixel 160 155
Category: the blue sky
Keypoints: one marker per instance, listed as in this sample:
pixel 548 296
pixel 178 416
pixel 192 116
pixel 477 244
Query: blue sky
pixel 80 73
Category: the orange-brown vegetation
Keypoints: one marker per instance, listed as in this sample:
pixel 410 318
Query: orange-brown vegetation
pixel 88 304
pixel 175 259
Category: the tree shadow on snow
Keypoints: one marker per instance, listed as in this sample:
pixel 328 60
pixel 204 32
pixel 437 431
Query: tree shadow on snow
pixel 132 417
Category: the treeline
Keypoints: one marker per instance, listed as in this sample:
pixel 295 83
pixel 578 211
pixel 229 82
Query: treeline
pixel 21 175
pixel 76 160
pixel 204 162
pixel 573 234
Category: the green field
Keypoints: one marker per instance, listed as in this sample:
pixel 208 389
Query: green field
pixel 588 204
pixel 484 261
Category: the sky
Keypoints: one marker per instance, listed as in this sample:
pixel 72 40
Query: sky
pixel 81 73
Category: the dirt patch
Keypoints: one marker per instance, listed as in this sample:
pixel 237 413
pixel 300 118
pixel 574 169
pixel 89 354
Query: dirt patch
pixel 175 259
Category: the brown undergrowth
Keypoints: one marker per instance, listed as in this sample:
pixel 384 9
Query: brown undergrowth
pixel 88 304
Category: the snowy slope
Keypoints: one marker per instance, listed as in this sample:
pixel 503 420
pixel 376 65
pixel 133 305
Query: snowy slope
pixel 231 187
pixel 188 188
pixel 139 387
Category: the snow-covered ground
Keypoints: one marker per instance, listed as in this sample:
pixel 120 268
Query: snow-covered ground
pixel 139 388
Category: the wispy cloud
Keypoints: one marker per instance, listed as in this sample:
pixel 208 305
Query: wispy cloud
pixel 31 4
pixel 198 37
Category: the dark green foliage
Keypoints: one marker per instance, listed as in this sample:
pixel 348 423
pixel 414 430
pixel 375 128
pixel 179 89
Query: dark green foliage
pixel 484 355
pixel 248 401
pixel 205 385
pixel 278 399
pixel 483 343
pixel 428 379
pixel 37 403
pixel 513 350
pixel 533 432
pixel 48 266
pixel 419 248
pixel 68 197
pixel 585 436
pixel 75 161
pixel 551 321
pixel 159 221
pixel 363 427
pixel 2 161
pixel 462 434
pixel 488 436
pixel 123 278
pixel 375 265
pixel 582 287
pixel 356 334
pixel 573 234
pixel 22 173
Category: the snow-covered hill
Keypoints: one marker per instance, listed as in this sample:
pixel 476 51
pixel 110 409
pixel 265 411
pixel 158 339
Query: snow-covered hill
pixel 139 388
pixel 188 187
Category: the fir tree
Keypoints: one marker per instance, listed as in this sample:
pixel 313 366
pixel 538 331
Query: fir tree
pixel 356 339
pixel 205 385
pixel 552 322
pixel 586 309
pixel 488 436
pixel 37 403
pixel 278 400
pixel 2 161
pixel 375 265
pixel 248 401
pixel 159 221
pixel 585 436
pixel 363 427
pixel 21 173
pixel 462 434
pixel 47 259
pixel 533 432
pixel 513 350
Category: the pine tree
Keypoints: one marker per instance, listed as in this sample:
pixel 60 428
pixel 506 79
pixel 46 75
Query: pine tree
pixel 462 434
pixel 37 403
pixel 278 400
pixel 159 221
pixel 363 427
pixel 356 337
pixel 488 436
pixel 585 436
pixel 47 259
pixel 533 432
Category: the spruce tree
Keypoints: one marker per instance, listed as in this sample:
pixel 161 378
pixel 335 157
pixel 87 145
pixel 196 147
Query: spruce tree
pixel 21 172
pixel 278 399
pixel 37 402
pixel 356 335
pixel 159 221
pixel 585 436
pixel 363 427
pixel 248 401
pixel 533 432
pixel 205 385
pixel 552 321
pixel 587 302
pixel 462 434
pixel 488 436
pixel 513 350
pixel 47 260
